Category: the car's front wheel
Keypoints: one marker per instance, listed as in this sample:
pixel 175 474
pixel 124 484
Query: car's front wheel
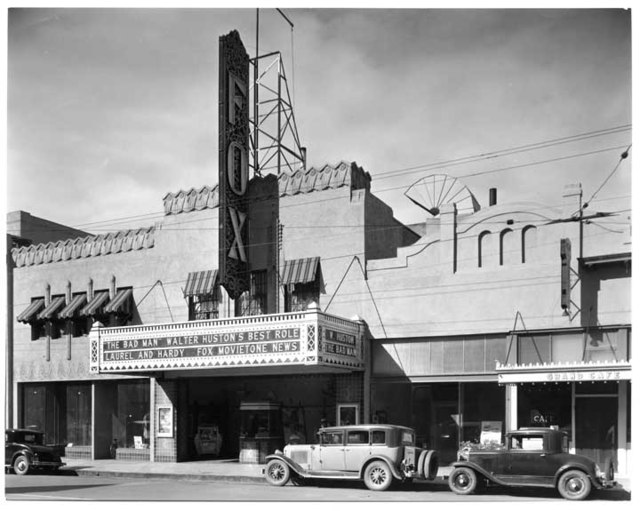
pixel 21 465
pixel 378 476
pixel 574 485
pixel 463 480
pixel 277 473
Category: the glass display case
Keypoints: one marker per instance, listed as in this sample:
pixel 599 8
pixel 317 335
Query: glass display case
pixel 261 430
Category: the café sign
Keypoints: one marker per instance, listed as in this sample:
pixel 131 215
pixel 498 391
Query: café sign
pixel 556 373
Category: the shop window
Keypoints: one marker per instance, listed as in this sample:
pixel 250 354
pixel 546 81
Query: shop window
pixel 254 301
pixel 298 297
pixel 79 414
pixel 132 422
pixel 204 306
pixel 348 414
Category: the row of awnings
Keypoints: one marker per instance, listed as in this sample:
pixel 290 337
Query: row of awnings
pixel 77 306
pixel 295 271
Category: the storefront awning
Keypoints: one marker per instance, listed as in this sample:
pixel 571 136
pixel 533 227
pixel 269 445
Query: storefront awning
pixel 71 308
pixel 56 304
pixel 552 372
pixel 30 312
pixel 119 301
pixel 98 299
pixel 299 271
pixel 200 283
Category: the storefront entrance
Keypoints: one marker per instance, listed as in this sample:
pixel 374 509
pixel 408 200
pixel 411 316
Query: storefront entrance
pixel 224 410
pixel 596 416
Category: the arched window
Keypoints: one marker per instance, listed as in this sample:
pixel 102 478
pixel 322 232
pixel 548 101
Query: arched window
pixel 483 248
pixel 529 242
pixel 508 247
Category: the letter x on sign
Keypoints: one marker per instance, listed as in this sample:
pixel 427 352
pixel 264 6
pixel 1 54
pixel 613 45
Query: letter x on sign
pixel 237 248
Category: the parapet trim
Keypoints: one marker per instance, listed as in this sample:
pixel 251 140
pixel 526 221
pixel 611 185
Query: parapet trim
pixel 89 246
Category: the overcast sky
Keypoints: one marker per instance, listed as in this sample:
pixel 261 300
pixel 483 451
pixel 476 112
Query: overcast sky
pixel 110 109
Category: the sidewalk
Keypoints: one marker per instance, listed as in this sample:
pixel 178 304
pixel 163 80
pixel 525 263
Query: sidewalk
pixel 221 470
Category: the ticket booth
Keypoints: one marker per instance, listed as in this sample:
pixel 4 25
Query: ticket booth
pixel 261 430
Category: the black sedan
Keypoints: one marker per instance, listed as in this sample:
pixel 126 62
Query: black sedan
pixel 24 449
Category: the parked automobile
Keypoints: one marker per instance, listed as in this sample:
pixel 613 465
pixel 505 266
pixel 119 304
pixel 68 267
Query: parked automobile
pixel 531 457
pixel 378 454
pixel 25 450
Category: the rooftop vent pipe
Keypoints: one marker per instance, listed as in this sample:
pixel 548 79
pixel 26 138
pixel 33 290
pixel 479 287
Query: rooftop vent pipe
pixel 493 196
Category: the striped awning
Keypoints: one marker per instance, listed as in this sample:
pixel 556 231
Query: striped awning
pixel 98 299
pixel 201 283
pixel 56 304
pixel 299 271
pixel 30 312
pixel 71 308
pixel 119 301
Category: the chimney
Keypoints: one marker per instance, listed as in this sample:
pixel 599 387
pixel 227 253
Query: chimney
pixel 493 196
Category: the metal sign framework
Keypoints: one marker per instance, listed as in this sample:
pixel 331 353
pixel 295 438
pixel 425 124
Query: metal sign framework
pixel 273 140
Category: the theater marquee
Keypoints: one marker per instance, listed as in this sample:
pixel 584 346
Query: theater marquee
pixel 305 338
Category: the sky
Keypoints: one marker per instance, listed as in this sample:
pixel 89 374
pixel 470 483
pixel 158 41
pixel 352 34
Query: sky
pixel 110 109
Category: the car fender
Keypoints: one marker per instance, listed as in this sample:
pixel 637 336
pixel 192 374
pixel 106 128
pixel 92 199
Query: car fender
pixel 21 452
pixel 381 457
pixel 479 470
pixel 295 467
pixel 577 466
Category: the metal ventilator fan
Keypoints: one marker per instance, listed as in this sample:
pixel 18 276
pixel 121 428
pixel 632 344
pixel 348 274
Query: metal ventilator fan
pixel 432 192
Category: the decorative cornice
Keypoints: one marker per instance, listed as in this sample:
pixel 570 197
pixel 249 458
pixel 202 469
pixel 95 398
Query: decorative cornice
pixel 89 246
pixel 191 200
pixel 329 176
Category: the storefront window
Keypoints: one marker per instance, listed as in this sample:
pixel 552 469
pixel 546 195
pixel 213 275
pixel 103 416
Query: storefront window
pixel 79 414
pixel 132 423
pixel 545 406
pixel 482 410
pixel 34 406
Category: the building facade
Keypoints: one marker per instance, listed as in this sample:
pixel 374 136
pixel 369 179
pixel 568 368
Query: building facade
pixel 500 316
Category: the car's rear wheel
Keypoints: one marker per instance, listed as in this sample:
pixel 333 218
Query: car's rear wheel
pixel 463 480
pixel 574 485
pixel 21 465
pixel 378 476
pixel 277 473
pixel 430 466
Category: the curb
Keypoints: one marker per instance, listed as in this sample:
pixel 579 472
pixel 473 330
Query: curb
pixel 152 475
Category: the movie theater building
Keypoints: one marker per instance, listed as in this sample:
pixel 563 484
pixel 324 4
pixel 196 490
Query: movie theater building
pixel 254 370
pixel 258 309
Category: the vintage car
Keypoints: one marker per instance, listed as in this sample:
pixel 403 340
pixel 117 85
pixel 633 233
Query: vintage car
pixel 379 454
pixel 531 457
pixel 24 449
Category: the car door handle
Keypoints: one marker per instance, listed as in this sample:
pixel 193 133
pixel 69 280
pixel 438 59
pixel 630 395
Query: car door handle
pixel 543 455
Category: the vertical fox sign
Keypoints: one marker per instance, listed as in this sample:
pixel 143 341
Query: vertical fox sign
pixel 233 164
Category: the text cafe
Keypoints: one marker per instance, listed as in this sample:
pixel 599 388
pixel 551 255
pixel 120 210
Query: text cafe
pixel 239 387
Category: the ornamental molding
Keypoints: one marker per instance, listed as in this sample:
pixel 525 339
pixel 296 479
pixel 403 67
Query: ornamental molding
pixel 330 176
pixel 563 366
pixel 89 246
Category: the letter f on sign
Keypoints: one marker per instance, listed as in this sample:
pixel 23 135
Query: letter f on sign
pixel 237 248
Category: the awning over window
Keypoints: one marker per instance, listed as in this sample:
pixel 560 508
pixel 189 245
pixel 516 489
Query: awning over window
pixel 119 301
pixel 30 312
pixel 98 299
pixel 55 305
pixel 200 283
pixel 299 271
pixel 70 310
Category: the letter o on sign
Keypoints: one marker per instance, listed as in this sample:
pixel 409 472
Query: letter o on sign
pixel 237 168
